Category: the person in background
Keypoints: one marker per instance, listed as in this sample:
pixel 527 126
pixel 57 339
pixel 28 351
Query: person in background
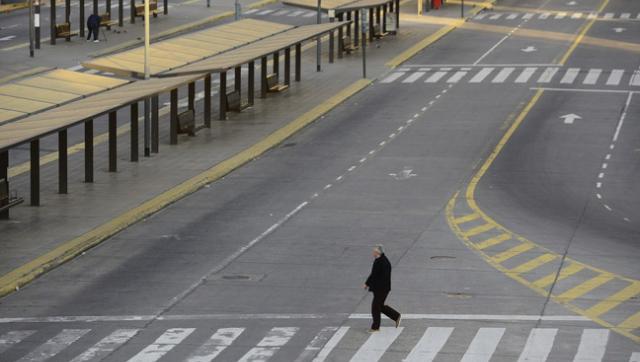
pixel 379 283
pixel 93 24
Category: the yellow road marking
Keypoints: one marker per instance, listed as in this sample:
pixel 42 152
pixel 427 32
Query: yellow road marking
pixel 565 272
pixel 493 241
pixel 585 287
pixel 581 34
pixel 535 263
pixel 466 218
pixel 631 323
pixel 510 253
pixel 614 300
pixel 479 229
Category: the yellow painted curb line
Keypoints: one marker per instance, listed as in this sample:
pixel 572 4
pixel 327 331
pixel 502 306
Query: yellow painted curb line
pixel 28 272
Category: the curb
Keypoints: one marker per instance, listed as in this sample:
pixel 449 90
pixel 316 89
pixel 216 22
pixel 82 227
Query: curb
pixel 20 276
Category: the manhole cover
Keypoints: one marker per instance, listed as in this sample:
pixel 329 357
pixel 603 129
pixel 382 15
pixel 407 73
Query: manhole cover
pixel 442 257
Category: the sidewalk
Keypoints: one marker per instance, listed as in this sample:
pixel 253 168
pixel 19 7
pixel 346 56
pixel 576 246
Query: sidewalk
pixel 91 212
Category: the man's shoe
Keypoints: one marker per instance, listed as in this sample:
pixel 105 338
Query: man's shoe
pixel 371 330
pixel 96 41
pixel 398 321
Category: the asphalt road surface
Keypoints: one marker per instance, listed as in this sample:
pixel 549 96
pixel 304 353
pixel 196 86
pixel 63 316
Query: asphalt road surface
pixel 267 263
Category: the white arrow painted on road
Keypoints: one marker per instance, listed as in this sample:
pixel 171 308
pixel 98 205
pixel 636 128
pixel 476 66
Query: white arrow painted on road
pixel 572 3
pixel 619 30
pixel 405 174
pixel 529 49
pixel 569 118
pixel 7 38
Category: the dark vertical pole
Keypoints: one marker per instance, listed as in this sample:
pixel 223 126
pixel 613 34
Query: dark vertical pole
pixel 287 66
pixel 134 132
pixel 62 162
pixel 191 97
pixel 356 23
pixel 155 124
pixel 263 77
pixel 237 81
pixel 251 84
pixel 95 7
pixel 4 175
pixel 331 43
pixel 378 17
pixel 207 101
pixel 298 65
pixel 371 31
pixel 121 13
pixel 223 95
pixel 81 20
pixel 397 7
pixel 173 125
pixel 52 22
pixel 113 141
pixel 108 11
pixel 36 23
pixel 88 151
pixel 349 25
pixel 384 18
pixel 276 65
pixel 67 15
pixel 133 12
pixel 166 7
pixel 340 36
pixel 35 172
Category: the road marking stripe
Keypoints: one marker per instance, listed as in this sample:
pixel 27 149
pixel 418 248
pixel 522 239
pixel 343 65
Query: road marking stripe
pixel 309 14
pixel 593 343
pixel 251 11
pixel 508 254
pixel 481 75
pixel 608 16
pixel 479 229
pixel 413 77
pixel 547 75
pixel 481 16
pixel 330 345
pixel 592 15
pixel 165 343
pixel 429 344
pixel 585 287
pixel 483 345
pixel 534 263
pixel 270 344
pixel 544 16
pixel 495 16
pixel 592 76
pixel 376 345
pixel 539 344
pixel 13 337
pixel 455 78
pixel 281 12
pixel 392 77
pixel 614 300
pixel 631 323
pixel 265 12
pixel 466 218
pixel 296 13
pixel 512 16
pixel 615 77
pixel 503 75
pixel 108 344
pixel 635 78
pixel 561 15
pixel 492 241
pixel 625 16
pixel 528 16
pixel 565 272
pixel 435 77
pixel 570 76
pixel 217 343
pixel 525 75
pixel 635 357
pixel 576 16
pixel 54 346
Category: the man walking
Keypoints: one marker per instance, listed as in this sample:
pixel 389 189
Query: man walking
pixel 93 24
pixel 379 283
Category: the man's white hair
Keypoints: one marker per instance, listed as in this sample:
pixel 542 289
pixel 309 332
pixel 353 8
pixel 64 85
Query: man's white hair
pixel 379 248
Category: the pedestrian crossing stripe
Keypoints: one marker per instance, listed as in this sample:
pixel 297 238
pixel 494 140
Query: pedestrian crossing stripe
pixel 516 74
pixel 434 341
pixel 560 15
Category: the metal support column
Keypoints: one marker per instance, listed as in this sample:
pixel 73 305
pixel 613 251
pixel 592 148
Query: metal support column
pixel 88 151
pixel 237 81
pixel 121 13
pixel 63 160
pixel 298 65
pixel 397 7
pixel 356 26
pixel 113 141
pixel 191 97
pixel 108 11
pixel 173 123
pixel 4 174
pixel 276 65
pixel 263 77
pixel 81 20
pixel 35 172
pixel 207 101
pixel 251 83
pixel 95 7
pixel 287 66
pixel 340 40
pixel 52 22
pixel 155 124
pixel 349 25
pixel 133 12
pixel 166 7
pixel 223 95
pixel 384 18
pixel 67 16
pixel 331 44
pixel 371 26
pixel 134 132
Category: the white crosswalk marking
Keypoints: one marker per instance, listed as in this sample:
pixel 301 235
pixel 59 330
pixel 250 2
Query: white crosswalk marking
pixel 495 16
pixel 265 12
pixel 592 16
pixel 635 357
pixel 392 77
pixel 106 345
pixel 309 14
pixel 608 16
pixel 561 15
pixel 592 76
pixel 528 16
pixel 429 345
pixel 538 345
pixel 322 344
pixel 576 16
pixel 251 11
pixel 615 77
pixel 635 79
pixel 54 346
pixel 625 16
pixel 165 343
pixel 481 75
pixel 270 344
pixel 435 77
pixel 413 77
pixel 218 342
pixel 525 75
pixel 331 344
pixel 512 16
pixel 296 13
pixel 547 75
pixel 14 337
pixel 281 12
pixel 455 78
pixel 570 76
pixel 544 16
pixel 503 75
pixel 593 343
pixel 377 343
pixel 481 15
pixel 483 345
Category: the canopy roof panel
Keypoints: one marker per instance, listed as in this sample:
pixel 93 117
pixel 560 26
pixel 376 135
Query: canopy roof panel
pixel 338 5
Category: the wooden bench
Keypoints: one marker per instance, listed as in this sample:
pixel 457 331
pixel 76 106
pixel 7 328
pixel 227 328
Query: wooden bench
pixel 347 44
pixel 234 102
pixel 272 84
pixel 378 33
pixel 187 122
pixel 6 200
pixel 64 31
pixel 153 9
pixel 105 21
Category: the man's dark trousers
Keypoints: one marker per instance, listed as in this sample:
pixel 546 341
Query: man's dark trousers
pixel 378 306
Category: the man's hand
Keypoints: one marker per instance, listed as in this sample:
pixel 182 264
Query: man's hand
pixel 364 286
